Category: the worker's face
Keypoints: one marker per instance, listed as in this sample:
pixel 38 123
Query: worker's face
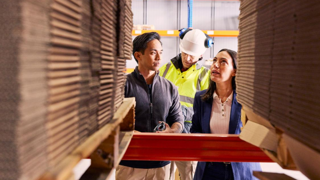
pixel 188 60
pixel 222 68
pixel 150 59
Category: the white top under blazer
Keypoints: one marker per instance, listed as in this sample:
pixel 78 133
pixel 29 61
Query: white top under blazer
pixel 220 115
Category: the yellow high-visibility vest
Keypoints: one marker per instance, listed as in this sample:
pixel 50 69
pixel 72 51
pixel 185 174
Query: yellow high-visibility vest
pixel 196 78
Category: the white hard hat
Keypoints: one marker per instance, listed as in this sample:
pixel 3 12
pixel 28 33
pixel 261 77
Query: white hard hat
pixel 193 43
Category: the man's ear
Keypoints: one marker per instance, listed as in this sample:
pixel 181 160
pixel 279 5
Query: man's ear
pixel 200 58
pixel 137 55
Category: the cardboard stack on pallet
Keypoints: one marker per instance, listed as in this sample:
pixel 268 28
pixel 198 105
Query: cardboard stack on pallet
pixel 277 78
pixel 95 66
pixel 60 78
pixel 23 86
pixel 85 73
pixel 124 46
pixel 64 79
pixel 108 53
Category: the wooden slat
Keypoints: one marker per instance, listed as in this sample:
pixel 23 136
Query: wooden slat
pixel 271 176
pixel 124 141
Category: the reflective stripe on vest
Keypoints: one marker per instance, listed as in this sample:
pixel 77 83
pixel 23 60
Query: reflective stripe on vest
pixel 188 82
pixel 186 99
pixel 167 69
pixel 201 76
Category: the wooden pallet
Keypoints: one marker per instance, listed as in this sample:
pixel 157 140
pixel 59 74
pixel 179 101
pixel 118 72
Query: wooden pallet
pixel 271 176
pixel 105 147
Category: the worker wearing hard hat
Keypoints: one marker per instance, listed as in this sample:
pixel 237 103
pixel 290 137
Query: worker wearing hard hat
pixel 190 77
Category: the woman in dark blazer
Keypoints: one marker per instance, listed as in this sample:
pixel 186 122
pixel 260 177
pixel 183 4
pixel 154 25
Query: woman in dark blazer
pixel 217 111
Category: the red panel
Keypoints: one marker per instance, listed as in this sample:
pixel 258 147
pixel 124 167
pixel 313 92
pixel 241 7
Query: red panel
pixel 195 147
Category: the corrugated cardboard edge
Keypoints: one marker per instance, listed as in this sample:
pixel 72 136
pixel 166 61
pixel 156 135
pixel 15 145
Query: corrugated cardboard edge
pixel 306 159
pixel 257 119
pixel 281 154
pixel 260 136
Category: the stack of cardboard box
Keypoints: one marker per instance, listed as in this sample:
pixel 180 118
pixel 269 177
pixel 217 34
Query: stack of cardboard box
pixel 23 86
pixel 278 74
pixel 62 78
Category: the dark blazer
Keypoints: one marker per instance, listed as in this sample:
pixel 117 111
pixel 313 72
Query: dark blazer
pixel 201 124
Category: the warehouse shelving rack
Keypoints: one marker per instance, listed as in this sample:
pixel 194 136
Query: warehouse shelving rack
pixel 211 33
pixel 116 141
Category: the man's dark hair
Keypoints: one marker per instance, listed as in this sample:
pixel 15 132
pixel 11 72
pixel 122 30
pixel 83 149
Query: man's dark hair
pixel 208 96
pixel 141 41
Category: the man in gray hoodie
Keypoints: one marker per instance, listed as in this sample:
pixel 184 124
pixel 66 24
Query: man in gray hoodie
pixel 157 100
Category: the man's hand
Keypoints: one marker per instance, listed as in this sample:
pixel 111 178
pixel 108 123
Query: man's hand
pixel 175 128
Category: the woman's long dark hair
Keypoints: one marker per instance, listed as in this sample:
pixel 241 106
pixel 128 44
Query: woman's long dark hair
pixel 212 86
